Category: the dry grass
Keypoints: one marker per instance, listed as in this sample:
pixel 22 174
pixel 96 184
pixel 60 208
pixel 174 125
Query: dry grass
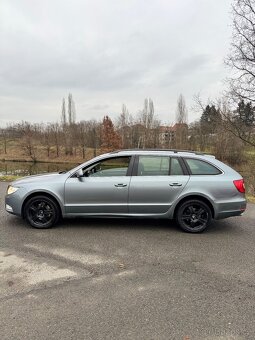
pixel 250 199
pixel 8 178
pixel 16 152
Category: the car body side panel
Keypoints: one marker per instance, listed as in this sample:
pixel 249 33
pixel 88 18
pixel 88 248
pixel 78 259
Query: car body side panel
pixel 154 195
pixel 219 190
pixel 97 195
pixel 16 200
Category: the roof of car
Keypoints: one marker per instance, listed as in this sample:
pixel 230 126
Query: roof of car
pixel 162 151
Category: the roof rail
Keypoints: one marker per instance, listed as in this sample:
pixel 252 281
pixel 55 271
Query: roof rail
pixel 172 150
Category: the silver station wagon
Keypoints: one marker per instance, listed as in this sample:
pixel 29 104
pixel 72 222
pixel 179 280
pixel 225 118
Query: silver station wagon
pixel 190 187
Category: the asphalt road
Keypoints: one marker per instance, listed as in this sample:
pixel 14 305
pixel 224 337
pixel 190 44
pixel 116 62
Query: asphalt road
pixel 127 279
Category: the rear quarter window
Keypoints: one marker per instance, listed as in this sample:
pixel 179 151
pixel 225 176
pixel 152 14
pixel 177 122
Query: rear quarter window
pixel 199 167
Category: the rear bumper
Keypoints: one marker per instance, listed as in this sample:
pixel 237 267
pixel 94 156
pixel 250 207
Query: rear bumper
pixel 227 214
pixel 225 210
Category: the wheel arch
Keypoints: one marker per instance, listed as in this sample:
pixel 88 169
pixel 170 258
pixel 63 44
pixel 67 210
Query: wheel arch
pixel 41 193
pixel 194 197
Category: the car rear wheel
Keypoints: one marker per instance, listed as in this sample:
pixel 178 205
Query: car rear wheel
pixel 41 212
pixel 194 216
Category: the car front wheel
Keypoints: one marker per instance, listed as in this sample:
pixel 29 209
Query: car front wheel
pixel 41 212
pixel 193 216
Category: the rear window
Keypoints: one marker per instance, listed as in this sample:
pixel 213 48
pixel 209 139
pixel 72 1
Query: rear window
pixel 199 167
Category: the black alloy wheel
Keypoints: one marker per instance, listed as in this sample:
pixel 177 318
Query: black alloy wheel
pixel 41 212
pixel 194 216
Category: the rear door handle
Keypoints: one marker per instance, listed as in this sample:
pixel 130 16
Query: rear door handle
pixel 120 185
pixel 175 184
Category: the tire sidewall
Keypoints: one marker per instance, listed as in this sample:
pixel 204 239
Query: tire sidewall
pixel 183 206
pixel 49 201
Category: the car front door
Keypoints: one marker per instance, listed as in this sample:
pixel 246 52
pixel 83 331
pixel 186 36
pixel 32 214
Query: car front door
pixel 103 188
pixel 156 183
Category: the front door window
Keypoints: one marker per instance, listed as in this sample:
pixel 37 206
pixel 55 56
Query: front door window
pixel 109 168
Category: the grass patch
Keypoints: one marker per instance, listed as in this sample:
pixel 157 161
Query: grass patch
pixel 8 178
pixel 250 198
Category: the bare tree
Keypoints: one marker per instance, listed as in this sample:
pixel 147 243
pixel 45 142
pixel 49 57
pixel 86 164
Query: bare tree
pixel 228 132
pixel 122 125
pixel 29 133
pixel 56 132
pixel 181 134
pixel 5 137
pixel 82 129
pixel 71 109
pixel 235 126
pixel 241 58
pixel 63 115
pixel 95 136
pixel 181 112
pixel 69 128
pixel 148 123
pixel 47 138
pixel 148 113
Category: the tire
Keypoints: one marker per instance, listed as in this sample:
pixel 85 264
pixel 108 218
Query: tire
pixel 41 212
pixel 193 216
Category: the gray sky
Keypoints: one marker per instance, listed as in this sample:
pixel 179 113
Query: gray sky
pixel 109 52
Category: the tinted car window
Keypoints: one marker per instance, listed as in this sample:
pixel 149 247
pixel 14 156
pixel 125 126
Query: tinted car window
pixel 153 166
pixel 110 167
pixel 198 167
pixel 176 169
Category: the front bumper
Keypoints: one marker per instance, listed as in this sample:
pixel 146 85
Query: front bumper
pixel 8 208
pixel 13 204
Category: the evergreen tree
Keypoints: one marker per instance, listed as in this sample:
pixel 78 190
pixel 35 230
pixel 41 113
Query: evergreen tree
pixel 210 119
pixel 245 113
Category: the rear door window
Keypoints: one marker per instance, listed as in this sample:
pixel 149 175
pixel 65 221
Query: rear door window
pixel 175 169
pixel 153 166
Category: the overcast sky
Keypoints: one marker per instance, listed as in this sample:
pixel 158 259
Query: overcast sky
pixel 109 52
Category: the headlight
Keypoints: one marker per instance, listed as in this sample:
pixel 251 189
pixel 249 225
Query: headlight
pixel 11 189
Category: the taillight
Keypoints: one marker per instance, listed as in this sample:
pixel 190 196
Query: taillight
pixel 239 184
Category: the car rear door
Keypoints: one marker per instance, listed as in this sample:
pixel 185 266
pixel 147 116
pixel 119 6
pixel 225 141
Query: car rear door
pixel 156 183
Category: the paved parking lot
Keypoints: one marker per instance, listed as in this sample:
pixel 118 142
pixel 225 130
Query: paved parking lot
pixel 127 279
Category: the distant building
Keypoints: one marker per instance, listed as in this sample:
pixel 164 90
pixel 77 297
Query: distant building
pixel 168 134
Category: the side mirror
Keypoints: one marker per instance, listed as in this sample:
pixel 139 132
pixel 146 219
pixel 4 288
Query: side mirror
pixel 79 173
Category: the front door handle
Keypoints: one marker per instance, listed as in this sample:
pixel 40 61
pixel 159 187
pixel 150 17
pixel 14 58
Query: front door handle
pixel 120 185
pixel 175 184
